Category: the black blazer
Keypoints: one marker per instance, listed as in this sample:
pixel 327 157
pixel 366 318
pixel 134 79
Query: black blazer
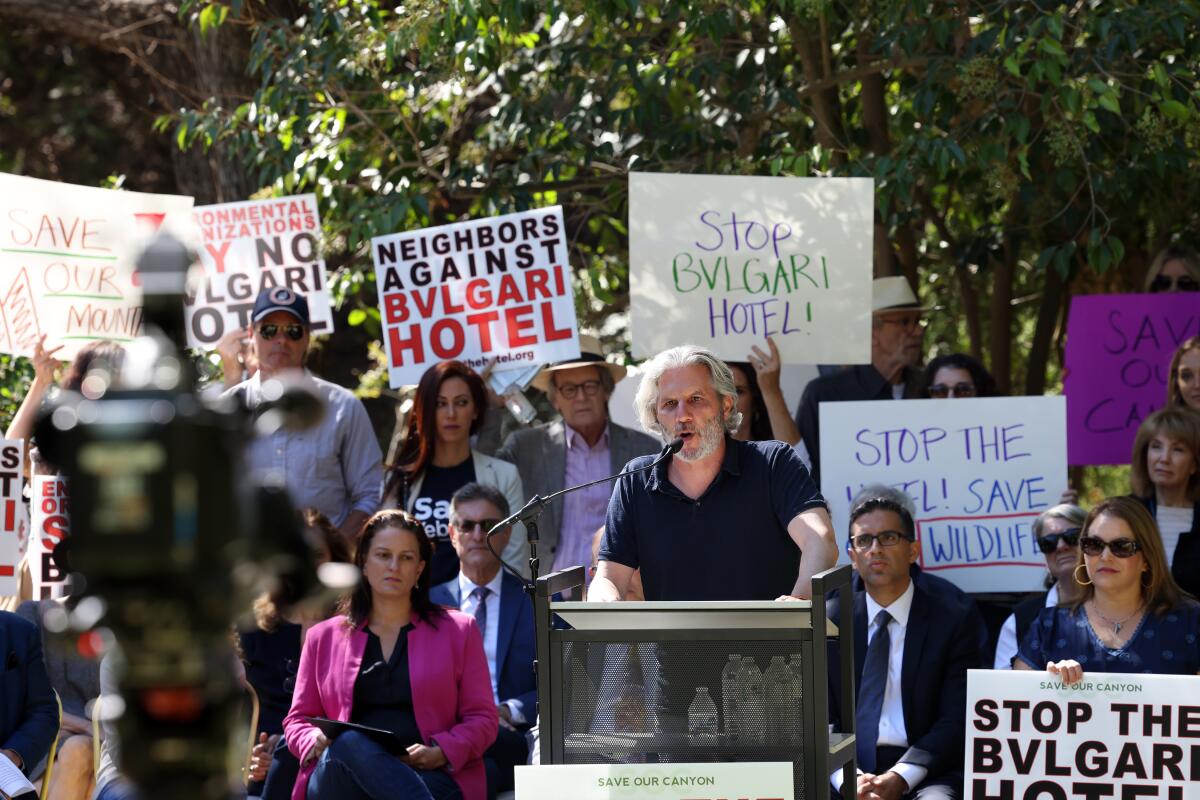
pixel 941 643
pixel 1185 564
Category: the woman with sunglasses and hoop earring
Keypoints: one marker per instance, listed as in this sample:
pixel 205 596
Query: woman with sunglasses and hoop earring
pixel 1057 533
pixel 1130 615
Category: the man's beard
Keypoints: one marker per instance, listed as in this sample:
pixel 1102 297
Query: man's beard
pixel 710 436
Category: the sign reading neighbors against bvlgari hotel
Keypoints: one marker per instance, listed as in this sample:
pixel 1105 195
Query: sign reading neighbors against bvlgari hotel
pixel 725 261
pixel 1126 737
pixel 51 512
pixel 250 246
pixel 495 287
pixel 12 456
pixel 978 470
pixel 67 258
pixel 1119 349
pixel 768 780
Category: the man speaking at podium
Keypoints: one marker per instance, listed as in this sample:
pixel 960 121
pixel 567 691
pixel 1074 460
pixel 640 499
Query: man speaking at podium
pixel 720 519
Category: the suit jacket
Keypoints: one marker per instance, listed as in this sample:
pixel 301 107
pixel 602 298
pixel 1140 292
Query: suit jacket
pixel 540 454
pixel 1185 562
pixel 28 710
pixel 451 688
pixel 515 643
pixel 490 472
pixel 940 644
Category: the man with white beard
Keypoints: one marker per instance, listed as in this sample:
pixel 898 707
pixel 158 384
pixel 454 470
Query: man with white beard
pixel 720 519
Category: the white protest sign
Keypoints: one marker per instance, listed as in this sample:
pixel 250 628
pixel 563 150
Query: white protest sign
pixel 725 261
pixel 50 525
pixel 495 287
pixel 767 780
pixel 67 258
pixel 12 456
pixel 1126 737
pixel 251 246
pixel 979 471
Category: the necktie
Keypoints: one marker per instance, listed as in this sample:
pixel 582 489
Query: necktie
pixel 480 593
pixel 870 694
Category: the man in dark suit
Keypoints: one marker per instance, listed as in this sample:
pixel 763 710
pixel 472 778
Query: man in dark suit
pixel 583 445
pixel 28 710
pixel 505 617
pixel 915 637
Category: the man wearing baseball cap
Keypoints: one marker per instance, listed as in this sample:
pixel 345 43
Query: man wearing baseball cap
pixel 897 333
pixel 335 466
pixel 583 445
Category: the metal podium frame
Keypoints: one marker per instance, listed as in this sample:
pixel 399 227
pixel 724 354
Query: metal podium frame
pixel 634 622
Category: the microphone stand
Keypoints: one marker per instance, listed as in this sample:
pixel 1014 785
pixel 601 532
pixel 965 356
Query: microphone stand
pixel 533 509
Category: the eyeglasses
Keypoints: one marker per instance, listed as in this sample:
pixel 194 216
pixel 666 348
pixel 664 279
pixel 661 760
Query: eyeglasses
pixel 908 323
pixel 865 541
pixel 470 525
pixel 1049 543
pixel 957 390
pixel 1179 283
pixel 293 332
pixel 569 390
pixel 1121 548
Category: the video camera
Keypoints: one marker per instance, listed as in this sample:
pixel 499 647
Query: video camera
pixel 170 540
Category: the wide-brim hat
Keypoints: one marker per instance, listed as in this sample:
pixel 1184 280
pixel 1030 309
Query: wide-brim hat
pixel 591 354
pixel 893 293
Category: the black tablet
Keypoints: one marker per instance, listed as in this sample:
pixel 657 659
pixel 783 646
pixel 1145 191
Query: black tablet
pixel 390 741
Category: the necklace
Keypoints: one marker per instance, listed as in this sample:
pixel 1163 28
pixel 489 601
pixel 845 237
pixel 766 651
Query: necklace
pixel 1116 624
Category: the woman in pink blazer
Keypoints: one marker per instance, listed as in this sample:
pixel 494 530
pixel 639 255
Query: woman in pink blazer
pixel 393 660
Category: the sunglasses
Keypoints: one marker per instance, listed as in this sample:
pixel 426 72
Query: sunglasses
pixel 1182 283
pixel 470 525
pixel 865 541
pixel 1121 548
pixel 941 390
pixel 1049 543
pixel 293 332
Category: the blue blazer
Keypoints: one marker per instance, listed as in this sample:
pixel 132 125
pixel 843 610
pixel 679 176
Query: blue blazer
pixel 28 710
pixel 940 644
pixel 515 642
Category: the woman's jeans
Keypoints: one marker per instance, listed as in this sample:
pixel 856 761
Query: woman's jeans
pixel 356 767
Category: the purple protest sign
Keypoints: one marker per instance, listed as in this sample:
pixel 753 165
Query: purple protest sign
pixel 1119 349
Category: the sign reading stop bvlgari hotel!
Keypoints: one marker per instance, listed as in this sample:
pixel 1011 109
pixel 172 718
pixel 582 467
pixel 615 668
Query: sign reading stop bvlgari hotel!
pixel 498 287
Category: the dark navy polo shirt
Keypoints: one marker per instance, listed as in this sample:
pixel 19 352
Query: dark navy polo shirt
pixel 730 544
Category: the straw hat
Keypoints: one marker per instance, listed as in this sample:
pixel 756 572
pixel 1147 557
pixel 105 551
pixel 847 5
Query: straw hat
pixel 893 293
pixel 591 355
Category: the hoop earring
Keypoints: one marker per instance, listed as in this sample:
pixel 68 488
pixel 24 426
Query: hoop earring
pixel 1077 580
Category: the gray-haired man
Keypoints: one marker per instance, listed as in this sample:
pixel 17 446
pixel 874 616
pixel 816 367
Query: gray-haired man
pixel 721 519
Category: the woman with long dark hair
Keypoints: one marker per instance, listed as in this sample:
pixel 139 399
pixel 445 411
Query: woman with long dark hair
pixel 436 460
pixel 393 660
pixel 1129 614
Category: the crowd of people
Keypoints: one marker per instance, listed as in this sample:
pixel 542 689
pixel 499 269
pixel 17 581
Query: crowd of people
pixel 436 644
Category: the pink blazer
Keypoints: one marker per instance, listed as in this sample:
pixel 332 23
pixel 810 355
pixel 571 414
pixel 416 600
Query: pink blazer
pixel 451 688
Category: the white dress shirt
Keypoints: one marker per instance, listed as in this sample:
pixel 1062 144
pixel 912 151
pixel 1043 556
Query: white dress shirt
pixel 892 732
pixel 1007 645
pixel 467 604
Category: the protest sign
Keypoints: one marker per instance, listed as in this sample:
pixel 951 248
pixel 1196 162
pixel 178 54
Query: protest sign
pixel 1119 349
pixel 12 456
pixel 51 524
pixel 495 287
pixel 1030 737
pixel 978 470
pixel 725 261
pixel 766 780
pixel 67 258
pixel 251 246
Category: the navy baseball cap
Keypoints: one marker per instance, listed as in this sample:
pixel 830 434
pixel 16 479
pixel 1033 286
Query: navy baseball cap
pixel 280 298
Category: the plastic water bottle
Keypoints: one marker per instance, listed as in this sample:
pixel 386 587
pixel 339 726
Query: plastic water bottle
pixel 752 723
pixel 795 726
pixel 702 719
pixel 777 690
pixel 730 689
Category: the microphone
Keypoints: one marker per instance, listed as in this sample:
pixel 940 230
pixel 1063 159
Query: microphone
pixel 533 509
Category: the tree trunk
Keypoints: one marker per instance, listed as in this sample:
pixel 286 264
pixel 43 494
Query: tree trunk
pixel 1043 333
pixel 1001 312
pixel 970 301
pixel 826 105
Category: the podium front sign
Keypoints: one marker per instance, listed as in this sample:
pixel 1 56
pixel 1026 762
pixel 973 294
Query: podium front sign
pixel 754 781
